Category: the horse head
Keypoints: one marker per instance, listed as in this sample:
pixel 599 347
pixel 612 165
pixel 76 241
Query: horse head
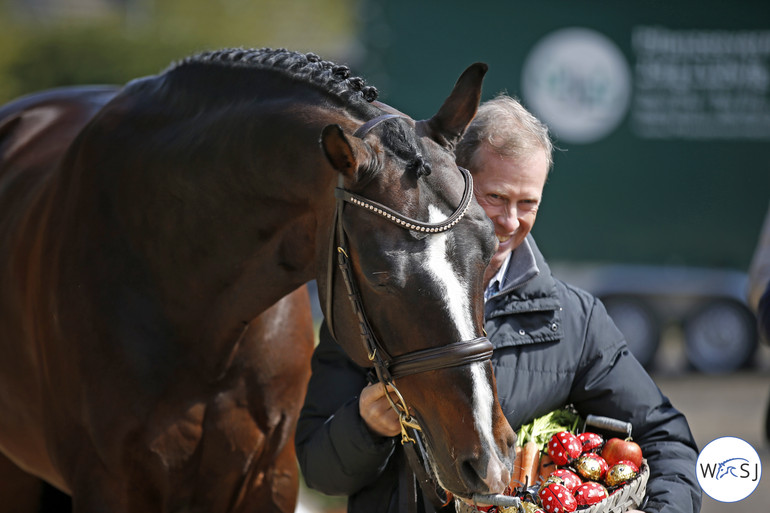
pixel 410 248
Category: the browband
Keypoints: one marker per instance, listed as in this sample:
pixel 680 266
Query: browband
pixel 407 222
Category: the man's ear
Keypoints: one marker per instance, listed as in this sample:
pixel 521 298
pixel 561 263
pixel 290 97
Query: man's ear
pixel 346 154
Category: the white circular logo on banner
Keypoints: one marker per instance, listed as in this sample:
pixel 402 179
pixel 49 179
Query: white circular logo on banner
pixel 578 82
pixel 728 469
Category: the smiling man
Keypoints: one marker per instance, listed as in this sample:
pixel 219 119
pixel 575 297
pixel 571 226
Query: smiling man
pixel 555 344
pixel 509 172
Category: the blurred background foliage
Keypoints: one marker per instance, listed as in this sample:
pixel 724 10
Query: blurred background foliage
pixel 50 43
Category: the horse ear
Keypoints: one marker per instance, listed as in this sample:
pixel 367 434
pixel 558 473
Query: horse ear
pixel 345 154
pixel 454 116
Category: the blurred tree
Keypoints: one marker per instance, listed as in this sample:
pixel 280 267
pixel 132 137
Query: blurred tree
pixel 323 26
pixel 93 54
pixel 141 37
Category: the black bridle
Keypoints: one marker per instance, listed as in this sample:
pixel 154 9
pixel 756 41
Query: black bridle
pixel 387 367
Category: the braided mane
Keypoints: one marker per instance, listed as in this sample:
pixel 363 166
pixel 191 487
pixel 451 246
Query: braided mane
pixel 195 76
pixel 307 67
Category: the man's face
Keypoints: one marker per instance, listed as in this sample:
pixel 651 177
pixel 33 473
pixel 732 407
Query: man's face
pixel 509 189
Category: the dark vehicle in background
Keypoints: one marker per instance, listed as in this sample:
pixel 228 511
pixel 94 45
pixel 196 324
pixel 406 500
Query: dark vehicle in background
pixel 705 306
pixel 661 116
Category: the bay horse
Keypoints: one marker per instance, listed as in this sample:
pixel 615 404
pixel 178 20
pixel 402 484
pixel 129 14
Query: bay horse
pixel 154 244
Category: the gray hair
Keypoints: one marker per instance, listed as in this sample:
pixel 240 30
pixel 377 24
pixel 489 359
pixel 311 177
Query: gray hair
pixel 505 125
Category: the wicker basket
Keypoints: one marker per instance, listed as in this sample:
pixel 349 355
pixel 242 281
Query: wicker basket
pixel 629 496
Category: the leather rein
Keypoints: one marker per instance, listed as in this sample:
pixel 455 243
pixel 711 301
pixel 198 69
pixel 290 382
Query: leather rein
pixel 387 367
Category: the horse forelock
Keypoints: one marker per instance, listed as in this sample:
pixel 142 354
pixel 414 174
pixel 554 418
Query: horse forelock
pixel 405 145
pixel 336 80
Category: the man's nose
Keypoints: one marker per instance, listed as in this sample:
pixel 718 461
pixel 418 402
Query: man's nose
pixel 509 218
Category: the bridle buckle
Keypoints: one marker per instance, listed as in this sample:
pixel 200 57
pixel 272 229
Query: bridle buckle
pixel 407 422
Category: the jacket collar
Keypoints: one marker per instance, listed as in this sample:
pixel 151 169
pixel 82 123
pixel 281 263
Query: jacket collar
pixel 522 265
pixel 528 310
pixel 528 283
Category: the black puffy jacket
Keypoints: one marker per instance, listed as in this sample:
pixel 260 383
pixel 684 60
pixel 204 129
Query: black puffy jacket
pixel 554 345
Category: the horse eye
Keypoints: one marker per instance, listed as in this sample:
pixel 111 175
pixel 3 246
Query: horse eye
pixel 381 278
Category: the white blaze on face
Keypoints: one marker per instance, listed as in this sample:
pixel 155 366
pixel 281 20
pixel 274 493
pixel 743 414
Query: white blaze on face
pixel 482 416
pixel 457 303
pixel 454 289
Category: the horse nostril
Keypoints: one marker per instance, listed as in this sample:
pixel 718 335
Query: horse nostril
pixel 507 444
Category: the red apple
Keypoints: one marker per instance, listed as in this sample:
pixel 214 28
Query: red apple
pixel 616 450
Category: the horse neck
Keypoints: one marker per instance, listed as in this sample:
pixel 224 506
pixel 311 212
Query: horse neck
pixel 212 254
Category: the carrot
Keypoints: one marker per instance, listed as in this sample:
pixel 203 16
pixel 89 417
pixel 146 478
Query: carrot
pixel 546 466
pixel 529 462
pixel 534 470
pixel 516 469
